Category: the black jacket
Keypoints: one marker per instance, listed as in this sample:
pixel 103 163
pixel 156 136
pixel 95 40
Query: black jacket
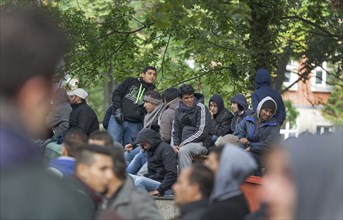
pixel 84 118
pixel 192 125
pixel 222 120
pixel 221 123
pixel 129 97
pixel 193 210
pixel 233 208
pixel 162 164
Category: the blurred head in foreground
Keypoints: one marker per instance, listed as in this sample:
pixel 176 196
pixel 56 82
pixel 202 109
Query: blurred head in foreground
pixel 304 179
pixel 31 46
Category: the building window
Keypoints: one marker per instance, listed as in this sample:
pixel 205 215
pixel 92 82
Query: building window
pixel 287 77
pixel 319 77
pixel 323 129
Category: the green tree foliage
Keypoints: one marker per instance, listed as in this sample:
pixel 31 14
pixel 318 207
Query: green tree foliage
pixel 333 108
pixel 227 40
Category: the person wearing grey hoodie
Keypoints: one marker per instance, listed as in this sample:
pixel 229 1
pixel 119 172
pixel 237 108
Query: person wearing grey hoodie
pixel 227 200
pixel 257 133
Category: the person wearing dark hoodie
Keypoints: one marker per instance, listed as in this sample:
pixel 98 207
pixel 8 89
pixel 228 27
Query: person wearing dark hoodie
pixel 191 127
pixel 240 109
pixel 82 116
pixel 171 102
pixel 162 171
pixel 227 201
pixel 259 132
pixel 127 104
pixel 221 117
pixel 58 118
pixel 263 89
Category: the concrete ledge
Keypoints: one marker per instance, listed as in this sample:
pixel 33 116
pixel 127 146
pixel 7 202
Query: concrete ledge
pixel 167 206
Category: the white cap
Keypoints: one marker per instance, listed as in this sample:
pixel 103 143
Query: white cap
pixel 79 92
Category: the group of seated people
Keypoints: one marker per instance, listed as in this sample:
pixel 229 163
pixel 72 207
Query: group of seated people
pixel 176 127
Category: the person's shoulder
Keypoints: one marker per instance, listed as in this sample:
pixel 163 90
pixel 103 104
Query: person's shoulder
pixel 227 113
pixel 138 195
pixel 130 80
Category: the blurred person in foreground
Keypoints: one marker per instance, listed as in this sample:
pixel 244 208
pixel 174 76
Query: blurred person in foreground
pixel 101 138
pixel 304 179
pixel 65 165
pixel 213 158
pixel 123 197
pixel 227 201
pixel 31 45
pixel 93 171
pixel 192 191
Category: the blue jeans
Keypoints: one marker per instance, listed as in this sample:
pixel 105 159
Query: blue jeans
pixel 124 133
pixel 148 184
pixel 138 161
pixel 130 155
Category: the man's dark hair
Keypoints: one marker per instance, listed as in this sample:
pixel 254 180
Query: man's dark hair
pixel 102 136
pixel 119 163
pixel 73 139
pixel 204 177
pixel 31 45
pixel 186 89
pixel 149 68
pixel 86 153
pixel 170 94
pixel 217 151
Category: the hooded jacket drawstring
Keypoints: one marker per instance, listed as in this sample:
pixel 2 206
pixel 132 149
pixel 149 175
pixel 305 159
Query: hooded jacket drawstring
pixel 140 93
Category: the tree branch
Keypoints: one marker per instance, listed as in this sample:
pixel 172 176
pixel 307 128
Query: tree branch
pixel 164 55
pixel 200 75
pixel 310 23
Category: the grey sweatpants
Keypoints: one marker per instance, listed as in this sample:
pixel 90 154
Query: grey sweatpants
pixel 188 151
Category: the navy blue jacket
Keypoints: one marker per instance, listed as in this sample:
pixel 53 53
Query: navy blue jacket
pixel 263 89
pixel 260 135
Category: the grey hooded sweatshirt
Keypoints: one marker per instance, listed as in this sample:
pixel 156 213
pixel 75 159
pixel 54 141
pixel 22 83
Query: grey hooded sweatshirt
pixel 317 168
pixel 227 199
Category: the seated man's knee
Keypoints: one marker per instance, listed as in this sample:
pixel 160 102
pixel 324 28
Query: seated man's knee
pixel 139 181
pixel 184 150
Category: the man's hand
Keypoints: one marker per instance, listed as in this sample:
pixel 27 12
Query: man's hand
pixel 176 149
pixel 128 147
pixel 244 141
pixel 118 116
pixel 211 114
pixel 247 149
pixel 154 193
